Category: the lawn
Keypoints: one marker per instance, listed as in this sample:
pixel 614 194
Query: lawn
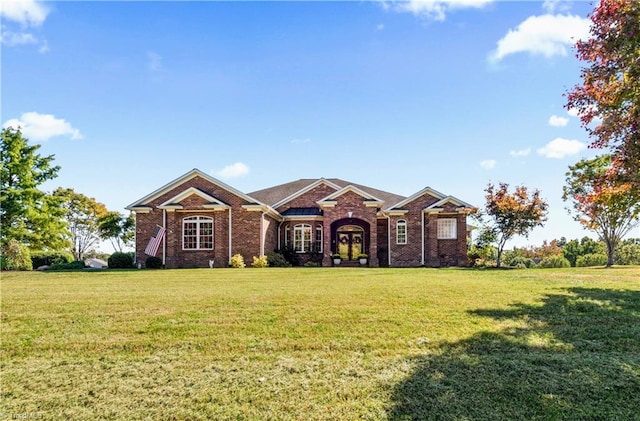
pixel 322 344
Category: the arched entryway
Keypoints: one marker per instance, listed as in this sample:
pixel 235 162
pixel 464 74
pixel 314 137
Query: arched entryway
pixel 350 238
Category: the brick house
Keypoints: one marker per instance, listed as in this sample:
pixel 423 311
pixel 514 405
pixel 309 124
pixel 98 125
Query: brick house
pixel 206 221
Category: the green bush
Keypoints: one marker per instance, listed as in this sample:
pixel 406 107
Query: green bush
pixel 153 262
pixel 277 260
pixel 237 261
pixel 78 264
pixel 522 261
pixel 558 261
pixel 119 260
pixel 260 262
pixel 16 256
pixel 42 258
pixel 592 259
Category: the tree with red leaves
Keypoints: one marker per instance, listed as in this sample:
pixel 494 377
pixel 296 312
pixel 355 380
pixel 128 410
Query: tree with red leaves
pixel 601 203
pixel 608 100
pixel 513 214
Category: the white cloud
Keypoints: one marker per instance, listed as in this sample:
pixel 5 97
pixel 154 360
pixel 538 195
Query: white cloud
pixel 547 35
pixel 39 127
pixel 11 39
pixel 559 148
pixel 24 12
pixel 573 112
pixel 557 121
pixel 380 27
pixel 154 61
pixel 551 6
pixel 233 171
pixel 521 152
pixel 488 164
pixel 436 9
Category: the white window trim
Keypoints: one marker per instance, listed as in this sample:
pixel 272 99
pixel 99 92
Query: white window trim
pixel 198 220
pixel 399 223
pixel 447 229
pixel 319 230
pixel 301 228
pixel 287 235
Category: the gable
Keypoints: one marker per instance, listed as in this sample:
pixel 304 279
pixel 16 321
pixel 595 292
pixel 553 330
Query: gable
pixel 210 188
pixel 193 198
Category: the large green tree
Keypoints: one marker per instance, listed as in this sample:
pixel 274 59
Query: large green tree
pixel 608 100
pixel 117 228
pixel 82 214
pixel 603 204
pixel 512 214
pixel 27 214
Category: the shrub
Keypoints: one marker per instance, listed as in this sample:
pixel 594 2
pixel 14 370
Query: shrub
pixel 277 260
pixel 153 262
pixel 119 260
pixel 78 264
pixel 521 260
pixel 311 264
pixel 16 256
pixel 558 261
pixel 520 266
pixel 237 261
pixel 592 259
pixel 260 262
pixel 49 258
pixel 290 256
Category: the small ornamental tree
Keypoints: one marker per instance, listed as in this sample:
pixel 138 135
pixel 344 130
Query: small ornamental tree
pixel 602 204
pixel 81 214
pixel 117 228
pixel 513 214
pixel 608 100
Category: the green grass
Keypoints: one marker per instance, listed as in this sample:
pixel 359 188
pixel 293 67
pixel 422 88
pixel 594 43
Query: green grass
pixel 316 344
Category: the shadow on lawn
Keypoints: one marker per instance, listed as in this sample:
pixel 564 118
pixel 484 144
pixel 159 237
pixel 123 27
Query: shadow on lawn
pixel 575 357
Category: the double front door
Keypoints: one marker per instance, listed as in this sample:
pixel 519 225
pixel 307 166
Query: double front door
pixel 350 242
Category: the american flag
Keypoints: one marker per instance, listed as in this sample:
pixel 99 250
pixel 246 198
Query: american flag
pixel 154 242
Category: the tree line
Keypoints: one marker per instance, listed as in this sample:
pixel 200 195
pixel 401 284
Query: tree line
pixel 34 221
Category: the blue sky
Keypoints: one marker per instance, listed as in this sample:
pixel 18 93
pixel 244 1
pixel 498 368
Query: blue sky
pixel 395 95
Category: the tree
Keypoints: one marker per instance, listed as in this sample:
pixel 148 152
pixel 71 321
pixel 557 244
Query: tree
pixel 513 214
pixel 81 214
pixel 27 215
pixel 117 228
pixel 603 204
pixel 608 100
pixel 574 249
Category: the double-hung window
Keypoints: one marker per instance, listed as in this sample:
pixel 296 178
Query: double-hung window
pixel 197 233
pixel 447 229
pixel 401 232
pixel 318 245
pixel 302 238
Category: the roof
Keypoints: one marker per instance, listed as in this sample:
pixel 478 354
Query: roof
pixel 302 212
pixel 273 195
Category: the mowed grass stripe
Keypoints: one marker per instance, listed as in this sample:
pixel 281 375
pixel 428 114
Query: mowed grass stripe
pixel 321 344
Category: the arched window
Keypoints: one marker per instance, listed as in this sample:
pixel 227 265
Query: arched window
pixel 197 233
pixel 401 232
pixel 302 238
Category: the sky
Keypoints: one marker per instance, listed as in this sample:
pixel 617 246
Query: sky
pixel 453 95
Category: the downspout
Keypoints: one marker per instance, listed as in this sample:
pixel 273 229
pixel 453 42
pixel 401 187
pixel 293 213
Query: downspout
pixel 389 240
pixel 422 241
pixel 166 234
pixel 262 234
pixel 230 233
pixel 279 240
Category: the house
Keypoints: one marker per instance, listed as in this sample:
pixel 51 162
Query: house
pixel 199 221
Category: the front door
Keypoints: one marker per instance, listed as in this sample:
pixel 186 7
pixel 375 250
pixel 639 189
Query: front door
pixel 350 242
